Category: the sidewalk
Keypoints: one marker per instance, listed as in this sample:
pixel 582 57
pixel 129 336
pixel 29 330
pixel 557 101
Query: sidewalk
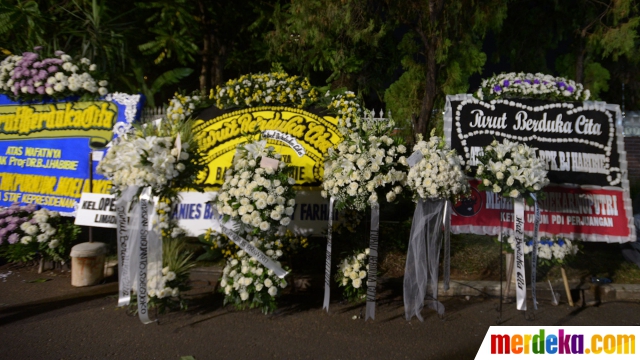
pixel 24 288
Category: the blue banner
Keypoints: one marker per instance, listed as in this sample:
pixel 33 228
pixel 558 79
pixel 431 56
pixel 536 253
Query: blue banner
pixel 45 148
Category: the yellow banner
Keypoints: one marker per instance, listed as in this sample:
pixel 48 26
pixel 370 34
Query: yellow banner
pixel 94 119
pixel 301 137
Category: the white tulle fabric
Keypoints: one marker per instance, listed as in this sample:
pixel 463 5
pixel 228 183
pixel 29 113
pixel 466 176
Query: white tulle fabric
pixel 423 256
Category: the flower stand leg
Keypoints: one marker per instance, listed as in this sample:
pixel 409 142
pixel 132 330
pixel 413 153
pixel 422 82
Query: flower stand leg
pixel 509 261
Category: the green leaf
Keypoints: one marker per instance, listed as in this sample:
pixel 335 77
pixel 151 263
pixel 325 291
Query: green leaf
pixel 169 78
pixel 189 357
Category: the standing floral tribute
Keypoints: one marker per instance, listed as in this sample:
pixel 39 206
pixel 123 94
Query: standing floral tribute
pixel 435 177
pixel 531 86
pixel 438 174
pixel 158 159
pixel 258 199
pixel 28 233
pixel 512 170
pixel 352 275
pixel 27 77
pixel 367 165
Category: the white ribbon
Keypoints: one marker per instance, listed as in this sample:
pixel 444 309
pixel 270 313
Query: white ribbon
pixel 534 253
pixel 518 233
pixel 373 263
pixel 143 251
pixel 124 252
pixel 254 252
pixel 327 270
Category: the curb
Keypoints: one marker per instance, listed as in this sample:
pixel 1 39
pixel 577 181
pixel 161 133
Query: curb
pixel 588 293
pixel 91 292
pixel 205 281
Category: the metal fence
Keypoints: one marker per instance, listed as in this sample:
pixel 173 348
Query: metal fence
pixel 631 123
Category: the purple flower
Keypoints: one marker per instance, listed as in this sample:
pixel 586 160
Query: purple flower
pixel 517 81
pixel 3 232
pixel 42 74
pixel 34 72
pixel 536 81
pixel 561 84
pixel 33 222
pixel 497 88
pixel 31 207
pixel 570 89
pixel 41 90
pixel 51 69
pixel 11 227
pixel 13 238
pixel 59 52
pixel 2 221
pixel 505 83
pixel 528 81
pixel 37 48
pixel 29 56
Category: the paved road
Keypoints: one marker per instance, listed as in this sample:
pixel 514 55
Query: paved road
pixel 90 327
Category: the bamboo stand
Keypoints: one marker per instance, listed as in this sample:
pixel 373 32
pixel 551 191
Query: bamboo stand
pixel 566 286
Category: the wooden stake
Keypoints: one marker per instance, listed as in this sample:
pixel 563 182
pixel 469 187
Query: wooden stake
pixel 509 258
pixel 566 286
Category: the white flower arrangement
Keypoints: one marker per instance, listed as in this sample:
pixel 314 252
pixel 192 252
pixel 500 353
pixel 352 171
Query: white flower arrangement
pixel 246 283
pixel 181 107
pixel 352 275
pixel 511 169
pixel 368 163
pixel 145 161
pixel 48 233
pixel 438 175
pixel 276 88
pixel 167 283
pixel 535 86
pixel 160 286
pixel 257 199
pixel 550 250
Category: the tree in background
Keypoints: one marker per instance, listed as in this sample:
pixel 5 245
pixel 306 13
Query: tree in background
pixel 149 47
pixel 593 42
pixel 342 39
pixel 442 47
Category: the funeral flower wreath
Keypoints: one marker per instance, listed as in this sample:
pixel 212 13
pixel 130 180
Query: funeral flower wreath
pixel 438 174
pixel 368 164
pixel 511 169
pixel 257 197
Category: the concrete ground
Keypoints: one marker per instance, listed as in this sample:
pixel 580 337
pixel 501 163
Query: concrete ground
pixel 52 320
